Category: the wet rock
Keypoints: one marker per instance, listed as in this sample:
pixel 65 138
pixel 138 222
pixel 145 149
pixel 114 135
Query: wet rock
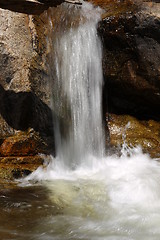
pixel 18 158
pixel 17 170
pixel 131 60
pixel 22 144
pixel 19 154
pixel 124 128
pixel 130 33
pixel 24 83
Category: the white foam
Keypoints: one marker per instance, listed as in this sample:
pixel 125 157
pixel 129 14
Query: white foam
pixel 115 198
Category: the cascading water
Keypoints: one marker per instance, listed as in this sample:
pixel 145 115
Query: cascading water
pixel 78 70
pixel 95 197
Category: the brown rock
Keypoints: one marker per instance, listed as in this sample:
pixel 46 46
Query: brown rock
pixel 22 144
pixel 135 132
pixel 29 7
pixel 24 77
pixel 130 33
pixel 12 171
pixel 34 7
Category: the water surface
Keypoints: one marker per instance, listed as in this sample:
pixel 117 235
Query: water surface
pixel 119 198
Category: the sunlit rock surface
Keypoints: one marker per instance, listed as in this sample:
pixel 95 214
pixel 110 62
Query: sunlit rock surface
pixel 135 132
pixel 19 153
pixel 24 83
pixel 22 144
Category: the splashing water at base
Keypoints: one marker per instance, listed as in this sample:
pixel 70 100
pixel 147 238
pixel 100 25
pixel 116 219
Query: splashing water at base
pixel 96 197
pixel 119 198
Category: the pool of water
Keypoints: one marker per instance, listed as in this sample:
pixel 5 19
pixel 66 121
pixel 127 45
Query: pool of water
pixel 23 211
pixel 116 199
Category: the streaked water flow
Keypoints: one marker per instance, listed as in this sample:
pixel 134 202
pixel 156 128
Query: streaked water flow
pixel 79 79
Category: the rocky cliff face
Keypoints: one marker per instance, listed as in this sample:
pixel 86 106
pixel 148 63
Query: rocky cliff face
pixel 24 85
pixel 130 33
pixel 131 62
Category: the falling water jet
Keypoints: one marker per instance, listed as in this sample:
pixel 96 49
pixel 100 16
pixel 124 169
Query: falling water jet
pixel 77 92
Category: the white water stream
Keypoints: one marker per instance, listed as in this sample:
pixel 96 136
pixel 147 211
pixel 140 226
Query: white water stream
pixel 98 197
pixel 77 94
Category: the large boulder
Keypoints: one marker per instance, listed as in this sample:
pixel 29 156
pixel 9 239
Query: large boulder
pixel 131 33
pixel 125 128
pixel 24 85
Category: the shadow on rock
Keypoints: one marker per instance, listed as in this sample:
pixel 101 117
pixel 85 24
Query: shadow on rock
pixel 25 110
pixel 28 7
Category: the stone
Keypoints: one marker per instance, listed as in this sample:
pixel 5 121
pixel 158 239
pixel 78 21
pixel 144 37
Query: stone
pixel 22 144
pixel 131 62
pixel 33 7
pixel 24 79
pixel 26 121
pixel 11 171
pixel 134 132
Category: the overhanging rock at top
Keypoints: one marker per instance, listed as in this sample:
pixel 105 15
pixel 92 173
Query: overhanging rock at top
pixel 32 6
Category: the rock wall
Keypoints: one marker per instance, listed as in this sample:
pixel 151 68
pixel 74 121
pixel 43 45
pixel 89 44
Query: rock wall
pixel 131 33
pixel 25 75
pixel 24 87
pixel 131 62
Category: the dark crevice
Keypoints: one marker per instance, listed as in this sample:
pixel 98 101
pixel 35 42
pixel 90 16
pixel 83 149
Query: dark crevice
pixel 120 101
pixel 25 110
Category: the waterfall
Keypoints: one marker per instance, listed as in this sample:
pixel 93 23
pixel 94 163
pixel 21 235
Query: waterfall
pixel 92 196
pixel 77 90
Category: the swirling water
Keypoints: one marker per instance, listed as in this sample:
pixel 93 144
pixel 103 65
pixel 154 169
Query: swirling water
pixel 82 194
pixel 119 198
